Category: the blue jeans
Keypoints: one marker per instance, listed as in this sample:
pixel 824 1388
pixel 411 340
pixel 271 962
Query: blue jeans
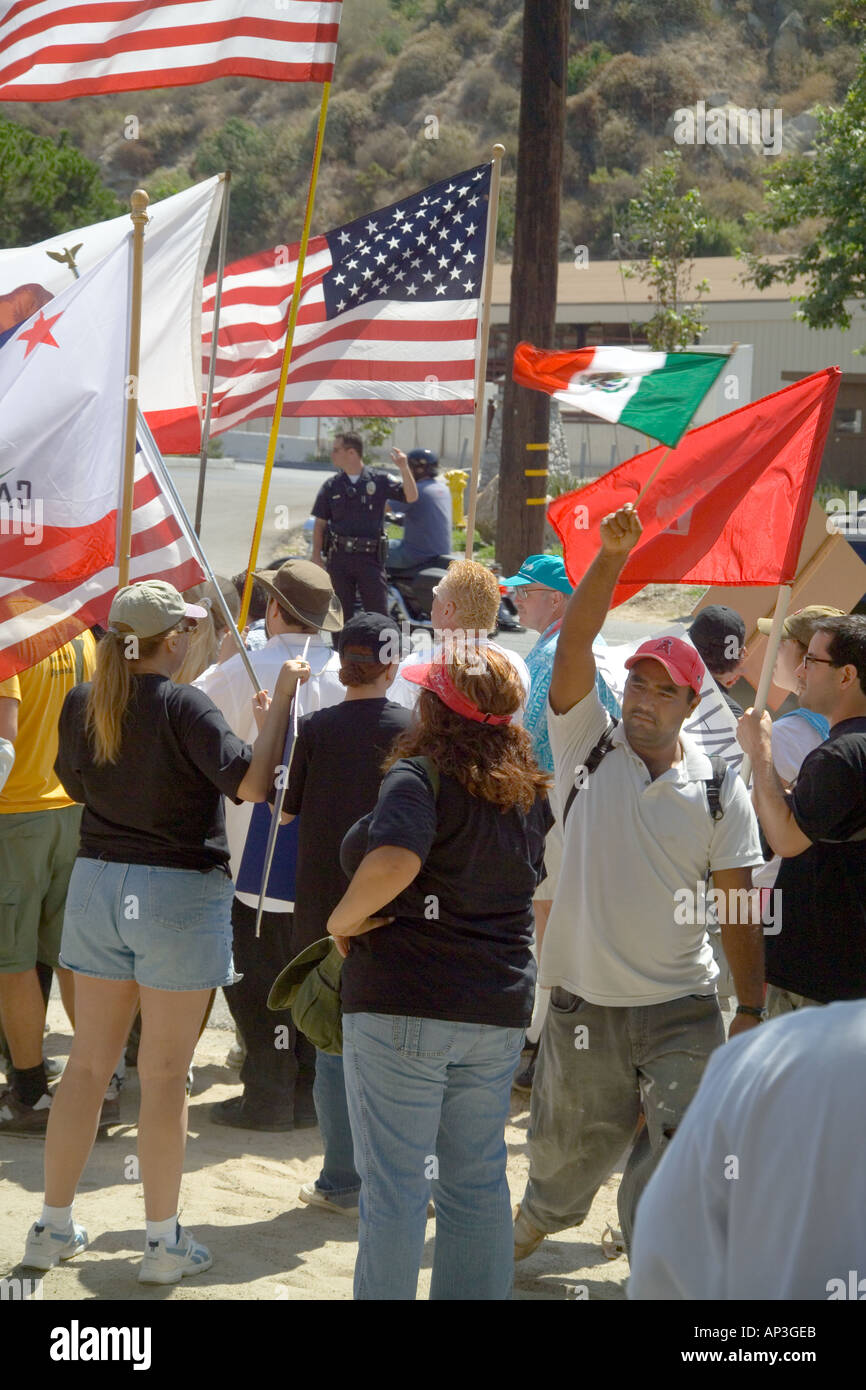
pixel 428 1101
pixel 165 928
pixel 338 1177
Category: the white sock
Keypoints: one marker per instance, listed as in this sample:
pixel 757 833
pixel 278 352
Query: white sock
pixel 163 1230
pixel 58 1218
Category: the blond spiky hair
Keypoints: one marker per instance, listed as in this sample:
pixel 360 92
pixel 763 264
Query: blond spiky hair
pixel 474 591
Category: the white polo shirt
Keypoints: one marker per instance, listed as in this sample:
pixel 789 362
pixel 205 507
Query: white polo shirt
pixel 231 690
pixel 630 845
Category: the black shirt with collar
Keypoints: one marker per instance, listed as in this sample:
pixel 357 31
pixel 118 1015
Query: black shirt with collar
pixel 820 951
pixel 357 508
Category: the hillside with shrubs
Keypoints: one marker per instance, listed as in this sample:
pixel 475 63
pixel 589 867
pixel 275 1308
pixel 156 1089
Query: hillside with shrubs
pixel 423 88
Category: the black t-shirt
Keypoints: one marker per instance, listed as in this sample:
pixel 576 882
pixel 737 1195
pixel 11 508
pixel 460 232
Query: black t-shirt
pixel 334 779
pixel 161 802
pixel 459 947
pixel 821 948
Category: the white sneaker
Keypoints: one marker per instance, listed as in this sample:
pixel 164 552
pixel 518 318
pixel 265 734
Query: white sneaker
pixel 315 1197
pixel 46 1247
pixel 168 1264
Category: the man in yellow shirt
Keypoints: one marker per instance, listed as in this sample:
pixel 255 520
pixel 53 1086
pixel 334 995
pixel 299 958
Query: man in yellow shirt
pixel 39 827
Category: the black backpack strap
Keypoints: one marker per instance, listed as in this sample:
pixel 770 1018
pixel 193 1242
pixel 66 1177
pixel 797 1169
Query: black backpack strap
pixel 714 786
pixel 601 749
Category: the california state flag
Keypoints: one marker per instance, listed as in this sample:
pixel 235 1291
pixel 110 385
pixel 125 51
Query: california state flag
pixel 654 392
pixel 62 409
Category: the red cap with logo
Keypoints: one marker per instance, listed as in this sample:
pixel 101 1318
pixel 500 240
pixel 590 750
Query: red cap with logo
pixel 680 659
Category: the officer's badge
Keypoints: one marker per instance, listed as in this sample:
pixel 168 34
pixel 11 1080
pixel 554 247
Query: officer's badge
pixel 371 488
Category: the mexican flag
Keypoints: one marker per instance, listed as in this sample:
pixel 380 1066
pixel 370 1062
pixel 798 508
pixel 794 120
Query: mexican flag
pixel 654 392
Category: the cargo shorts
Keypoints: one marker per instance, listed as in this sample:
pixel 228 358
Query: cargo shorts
pixel 37 853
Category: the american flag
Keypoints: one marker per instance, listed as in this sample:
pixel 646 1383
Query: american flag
pixel 51 50
pixel 388 319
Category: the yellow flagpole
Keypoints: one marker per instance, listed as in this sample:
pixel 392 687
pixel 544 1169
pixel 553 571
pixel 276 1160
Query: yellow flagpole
pixel 287 357
pixel 138 203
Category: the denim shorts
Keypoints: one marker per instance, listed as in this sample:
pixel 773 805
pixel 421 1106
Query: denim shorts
pixel 164 928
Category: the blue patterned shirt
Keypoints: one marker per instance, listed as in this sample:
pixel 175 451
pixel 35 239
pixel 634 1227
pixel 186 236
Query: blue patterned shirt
pixel 539 663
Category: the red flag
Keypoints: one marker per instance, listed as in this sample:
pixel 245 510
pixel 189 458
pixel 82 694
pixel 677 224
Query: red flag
pixel 729 505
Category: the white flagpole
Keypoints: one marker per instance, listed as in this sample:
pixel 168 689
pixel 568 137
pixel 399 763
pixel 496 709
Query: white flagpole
pixel 214 345
pixel 775 637
pixel 278 805
pixel 481 378
pixel 168 483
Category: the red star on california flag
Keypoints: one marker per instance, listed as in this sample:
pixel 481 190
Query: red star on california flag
pixel 39 332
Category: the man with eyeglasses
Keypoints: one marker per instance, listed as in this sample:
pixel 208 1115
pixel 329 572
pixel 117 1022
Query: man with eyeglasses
pixel 541 590
pixel 819 828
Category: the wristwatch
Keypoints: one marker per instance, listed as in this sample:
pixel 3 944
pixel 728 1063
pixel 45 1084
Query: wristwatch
pixel 759 1014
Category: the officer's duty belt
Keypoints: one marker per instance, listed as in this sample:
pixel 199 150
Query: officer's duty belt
pixel 358 545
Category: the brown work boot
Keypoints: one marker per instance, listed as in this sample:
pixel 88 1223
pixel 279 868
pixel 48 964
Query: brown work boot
pixel 17 1118
pixel 526 1238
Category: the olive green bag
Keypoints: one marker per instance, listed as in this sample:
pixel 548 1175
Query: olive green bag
pixel 310 984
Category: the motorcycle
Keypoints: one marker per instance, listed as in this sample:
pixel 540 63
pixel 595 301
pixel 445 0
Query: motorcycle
pixel 410 592
pixel 410 596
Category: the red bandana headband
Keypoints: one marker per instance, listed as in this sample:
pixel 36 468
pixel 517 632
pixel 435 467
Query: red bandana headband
pixel 436 678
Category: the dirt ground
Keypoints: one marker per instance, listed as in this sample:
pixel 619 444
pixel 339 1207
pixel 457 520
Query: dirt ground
pixel 239 1196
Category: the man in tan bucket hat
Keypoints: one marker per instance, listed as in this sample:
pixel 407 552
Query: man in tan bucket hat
pixel 277 1082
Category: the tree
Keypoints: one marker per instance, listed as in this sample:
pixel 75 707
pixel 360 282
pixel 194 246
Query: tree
pixel 665 222
pixel 47 187
pixel 831 187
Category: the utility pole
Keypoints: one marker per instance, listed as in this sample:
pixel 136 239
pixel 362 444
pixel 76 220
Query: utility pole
pixel 525 413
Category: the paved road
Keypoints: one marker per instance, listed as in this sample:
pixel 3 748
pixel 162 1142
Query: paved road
pixel 230 503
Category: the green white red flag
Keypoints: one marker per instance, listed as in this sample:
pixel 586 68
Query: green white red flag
pixel 654 392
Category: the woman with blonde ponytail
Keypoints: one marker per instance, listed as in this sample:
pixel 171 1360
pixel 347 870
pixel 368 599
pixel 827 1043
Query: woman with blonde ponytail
pixel 147 920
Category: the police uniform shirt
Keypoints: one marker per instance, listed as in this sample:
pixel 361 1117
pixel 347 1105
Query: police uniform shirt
pixel 357 508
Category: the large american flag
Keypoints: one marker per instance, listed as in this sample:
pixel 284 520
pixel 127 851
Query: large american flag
pixel 53 49
pixel 388 320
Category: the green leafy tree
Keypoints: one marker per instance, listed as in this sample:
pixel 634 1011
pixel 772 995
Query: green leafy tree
pixel 829 187
pixel 663 224
pixel 47 187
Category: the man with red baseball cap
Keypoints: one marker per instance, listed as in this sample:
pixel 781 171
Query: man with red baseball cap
pixel 633 1013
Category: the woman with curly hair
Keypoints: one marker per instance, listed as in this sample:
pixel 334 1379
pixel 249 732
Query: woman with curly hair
pixel 437 992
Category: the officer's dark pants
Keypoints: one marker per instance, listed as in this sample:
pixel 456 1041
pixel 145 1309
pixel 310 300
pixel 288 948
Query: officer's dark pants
pixel 271 1071
pixel 348 571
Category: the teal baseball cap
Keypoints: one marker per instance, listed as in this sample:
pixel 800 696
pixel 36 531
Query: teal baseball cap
pixel 548 570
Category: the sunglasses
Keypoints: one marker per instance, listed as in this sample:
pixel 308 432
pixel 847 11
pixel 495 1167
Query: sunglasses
pixel 522 590
pixel 187 625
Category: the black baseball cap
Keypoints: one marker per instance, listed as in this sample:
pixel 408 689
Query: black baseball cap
pixel 366 636
pixel 712 630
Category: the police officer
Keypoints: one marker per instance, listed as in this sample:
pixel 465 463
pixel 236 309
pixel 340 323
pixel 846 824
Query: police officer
pixel 427 523
pixel 349 530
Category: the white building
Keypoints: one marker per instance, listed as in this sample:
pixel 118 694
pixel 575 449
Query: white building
pixel 597 305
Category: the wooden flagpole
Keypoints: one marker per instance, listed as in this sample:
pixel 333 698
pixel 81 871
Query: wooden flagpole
pixel 287 357
pixel 481 376
pixel 214 344
pixel 138 203
pixel 779 615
